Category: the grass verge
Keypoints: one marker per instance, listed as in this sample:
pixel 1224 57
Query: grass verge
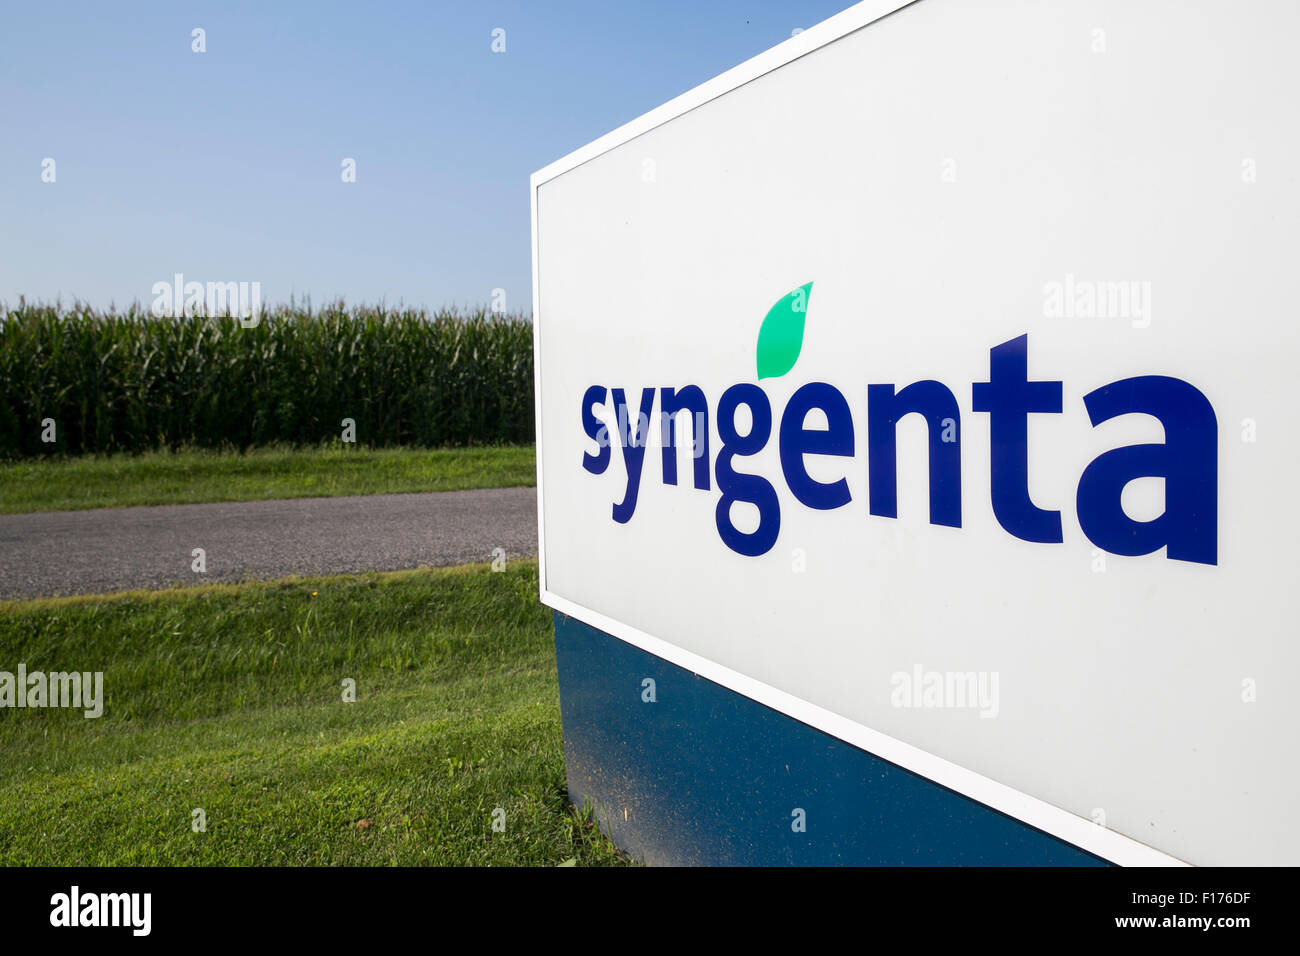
pixel 192 476
pixel 229 699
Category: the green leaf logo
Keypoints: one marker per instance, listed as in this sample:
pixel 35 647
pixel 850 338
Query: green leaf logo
pixel 781 337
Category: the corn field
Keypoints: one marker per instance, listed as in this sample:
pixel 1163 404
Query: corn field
pixel 132 381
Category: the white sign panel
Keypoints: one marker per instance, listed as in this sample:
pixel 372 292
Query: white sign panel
pixel 982 319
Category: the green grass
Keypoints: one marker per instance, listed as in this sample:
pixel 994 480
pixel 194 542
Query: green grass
pixel 187 477
pixel 228 698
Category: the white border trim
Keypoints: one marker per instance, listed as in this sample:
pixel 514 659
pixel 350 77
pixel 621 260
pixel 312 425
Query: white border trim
pixel 1038 813
pixel 537 401
pixel 814 38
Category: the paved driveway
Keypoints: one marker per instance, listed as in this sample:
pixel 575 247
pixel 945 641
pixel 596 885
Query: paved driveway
pixel 114 549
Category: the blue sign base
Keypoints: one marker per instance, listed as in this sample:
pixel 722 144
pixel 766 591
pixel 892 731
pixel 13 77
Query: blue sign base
pixel 703 775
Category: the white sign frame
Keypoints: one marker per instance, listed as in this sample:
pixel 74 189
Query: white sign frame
pixel 1084 833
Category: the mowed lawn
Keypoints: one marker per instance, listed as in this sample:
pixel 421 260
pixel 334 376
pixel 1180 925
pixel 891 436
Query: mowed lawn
pixel 193 476
pixel 229 699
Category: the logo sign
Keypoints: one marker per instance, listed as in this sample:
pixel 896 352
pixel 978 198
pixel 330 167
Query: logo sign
pixel 1186 461
pixel 935 388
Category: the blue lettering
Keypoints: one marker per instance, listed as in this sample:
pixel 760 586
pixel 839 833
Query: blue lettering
pixel 736 486
pixel 633 437
pixel 1188 461
pixel 691 399
pixel 938 406
pixel 796 441
pixel 597 463
pixel 1009 398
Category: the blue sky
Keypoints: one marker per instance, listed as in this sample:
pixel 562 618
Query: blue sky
pixel 225 165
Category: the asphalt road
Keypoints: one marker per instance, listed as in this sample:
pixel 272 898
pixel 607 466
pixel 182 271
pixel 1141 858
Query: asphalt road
pixel 115 549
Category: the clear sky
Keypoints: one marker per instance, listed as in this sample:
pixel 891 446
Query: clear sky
pixel 226 165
